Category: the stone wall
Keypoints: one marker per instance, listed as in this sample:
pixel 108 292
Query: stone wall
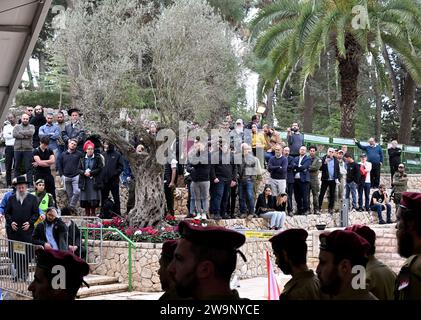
pixel 146 256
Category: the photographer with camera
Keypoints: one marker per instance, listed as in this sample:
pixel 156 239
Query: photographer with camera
pixel 295 139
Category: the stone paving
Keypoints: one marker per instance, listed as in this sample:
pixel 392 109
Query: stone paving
pixel 253 289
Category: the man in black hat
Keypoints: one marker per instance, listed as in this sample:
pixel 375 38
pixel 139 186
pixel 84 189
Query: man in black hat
pixel 74 129
pixel 204 261
pixel 58 275
pixel 290 249
pixel 21 214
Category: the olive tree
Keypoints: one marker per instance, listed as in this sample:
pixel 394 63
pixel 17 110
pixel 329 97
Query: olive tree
pixel 182 54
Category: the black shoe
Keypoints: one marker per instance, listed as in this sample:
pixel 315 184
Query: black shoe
pixel 217 217
pixel 389 221
pixel 225 217
pixel 330 211
pixel 290 214
pixel 382 222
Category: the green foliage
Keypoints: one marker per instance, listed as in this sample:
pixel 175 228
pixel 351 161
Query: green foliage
pixel 48 99
pixel 232 11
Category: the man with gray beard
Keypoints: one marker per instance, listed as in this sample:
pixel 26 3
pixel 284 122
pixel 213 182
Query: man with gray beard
pixel 21 214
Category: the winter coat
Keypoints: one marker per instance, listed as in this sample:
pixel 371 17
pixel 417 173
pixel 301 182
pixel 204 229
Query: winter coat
pixel 23 137
pixel 59 232
pixel 114 166
pixel 303 169
pixel 21 213
pixel 95 172
pixel 325 171
pixel 37 121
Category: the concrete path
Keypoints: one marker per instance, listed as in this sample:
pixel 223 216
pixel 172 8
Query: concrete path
pixel 253 289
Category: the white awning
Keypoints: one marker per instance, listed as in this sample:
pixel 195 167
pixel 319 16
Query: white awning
pixel 20 24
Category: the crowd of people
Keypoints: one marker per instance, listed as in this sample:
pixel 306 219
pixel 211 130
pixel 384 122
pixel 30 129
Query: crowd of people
pixel 296 174
pixel 201 263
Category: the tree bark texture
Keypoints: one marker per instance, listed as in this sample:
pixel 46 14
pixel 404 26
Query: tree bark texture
pixel 349 71
pixel 407 112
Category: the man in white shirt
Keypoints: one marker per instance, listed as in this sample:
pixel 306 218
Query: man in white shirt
pixel 365 183
pixel 10 143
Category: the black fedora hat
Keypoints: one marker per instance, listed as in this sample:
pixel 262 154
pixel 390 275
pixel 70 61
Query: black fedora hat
pixel 70 111
pixel 20 180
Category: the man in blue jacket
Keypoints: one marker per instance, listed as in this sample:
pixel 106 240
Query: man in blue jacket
pixel 278 166
pixel 375 156
pixel 302 181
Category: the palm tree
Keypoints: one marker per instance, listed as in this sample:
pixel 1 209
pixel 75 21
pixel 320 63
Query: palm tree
pixel 295 34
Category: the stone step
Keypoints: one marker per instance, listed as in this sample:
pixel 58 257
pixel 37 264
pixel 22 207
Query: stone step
pixel 96 280
pixel 102 290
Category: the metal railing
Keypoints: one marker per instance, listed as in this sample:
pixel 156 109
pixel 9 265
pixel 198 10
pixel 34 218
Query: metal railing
pixel 78 241
pixel 17 266
pixel 131 245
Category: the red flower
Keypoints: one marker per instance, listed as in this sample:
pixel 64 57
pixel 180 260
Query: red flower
pixel 170 218
pixel 107 223
pixel 129 231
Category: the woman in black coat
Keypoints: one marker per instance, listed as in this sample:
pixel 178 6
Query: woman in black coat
pixel 266 208
pixel 90 183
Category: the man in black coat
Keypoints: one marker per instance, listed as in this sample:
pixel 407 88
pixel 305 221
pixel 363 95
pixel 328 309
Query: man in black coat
pixel 52 232
pixel 330 177
pixel 38 121
pixel 394 158
pixel 21 214
pixel 114 166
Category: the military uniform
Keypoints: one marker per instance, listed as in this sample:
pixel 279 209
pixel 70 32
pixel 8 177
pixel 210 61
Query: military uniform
pixel 408 282
pixel 352 294
pixel 303 286
pixel 400 183
pixel 316 164
pixel 380 279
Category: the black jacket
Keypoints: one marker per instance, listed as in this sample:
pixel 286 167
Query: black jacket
pixel 353 173
pixel 325 171
pixel 114 166
pixel 21 213
pixel 394 157
pixel 69 163
pixel 38 121
pixel 261 204
pixel 74 239
pixel 224 171
pixel 59 232
pixel 199 172
pixel 95 172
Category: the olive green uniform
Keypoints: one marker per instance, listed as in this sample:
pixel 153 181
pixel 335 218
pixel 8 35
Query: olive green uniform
pixel 400 184
pixel 408 282
pixel 351 294
pixel 303 286
pixel 315 166
pixel 380 279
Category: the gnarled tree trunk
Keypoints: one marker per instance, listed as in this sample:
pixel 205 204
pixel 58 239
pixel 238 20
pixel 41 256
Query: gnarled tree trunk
pixel 349 71
pixel 406 114
pixel 150 198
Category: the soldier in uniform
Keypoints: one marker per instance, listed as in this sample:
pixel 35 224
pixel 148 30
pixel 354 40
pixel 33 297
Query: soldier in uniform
pixel 340 251
pixel 290 249
pixel 408 283
pixel 167 284
pixel 379 277
pixel 316 164
pixel 204 261
pixel 74 270
pixel 400 184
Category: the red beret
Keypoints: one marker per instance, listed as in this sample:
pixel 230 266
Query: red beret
pixel 76 268
pixel 344 244
pixel 212 237
pixel 364 231
pixel 88 144
pixel 168 248
pixel 411 200
pixel 288 237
